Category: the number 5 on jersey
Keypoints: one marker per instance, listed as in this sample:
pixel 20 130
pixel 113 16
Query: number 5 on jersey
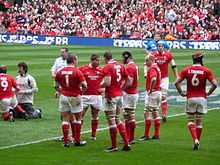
pixel 118 72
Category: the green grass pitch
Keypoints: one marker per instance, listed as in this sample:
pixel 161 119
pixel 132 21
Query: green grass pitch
pixel 174 147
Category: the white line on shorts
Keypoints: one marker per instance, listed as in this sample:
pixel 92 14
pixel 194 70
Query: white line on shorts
pixel 84 132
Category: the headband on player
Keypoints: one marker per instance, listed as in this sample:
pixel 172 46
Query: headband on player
pixel 197 54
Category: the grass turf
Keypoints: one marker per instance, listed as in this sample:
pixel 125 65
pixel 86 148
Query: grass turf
pixel 173 148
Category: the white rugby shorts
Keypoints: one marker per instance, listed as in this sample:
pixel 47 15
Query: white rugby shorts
pixel 92 100
pixel 153 101
pixel 130 100
pixel 196 104
pixel 7 103
pixel 70 104
pixel 164 85
pixel 113 103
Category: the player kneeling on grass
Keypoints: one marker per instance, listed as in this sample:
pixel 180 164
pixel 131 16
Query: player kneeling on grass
pixel 115 76
pixel 69 81
pixel 196 77
pixel 92 96
pixel 130 97
pixel 8 99
pixel 153 98
pixel 27 88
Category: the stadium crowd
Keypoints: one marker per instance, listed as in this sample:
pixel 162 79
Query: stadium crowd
pixel 173 19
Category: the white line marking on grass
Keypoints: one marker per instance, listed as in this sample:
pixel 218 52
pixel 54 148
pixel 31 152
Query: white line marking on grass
pixel 84 132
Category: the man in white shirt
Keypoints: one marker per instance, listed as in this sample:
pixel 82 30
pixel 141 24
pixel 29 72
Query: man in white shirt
pixel 28 87
pixel 60 61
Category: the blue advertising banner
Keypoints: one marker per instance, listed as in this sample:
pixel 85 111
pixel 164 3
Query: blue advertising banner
pixel 55 40
pixel 177 44
pixel 89 41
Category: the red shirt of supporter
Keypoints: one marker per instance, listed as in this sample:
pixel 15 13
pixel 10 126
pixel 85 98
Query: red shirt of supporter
pixel 163 60
pixel 118 75
pixel 196 77
pixel 132 71
pixel 153 71
pixel 7 83
pixel 69 79
pixel 93 78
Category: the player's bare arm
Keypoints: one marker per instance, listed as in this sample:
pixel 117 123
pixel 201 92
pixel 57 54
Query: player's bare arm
pixel 84 86
pixel 178 87
pixel 214 85
pixel 128 83
pixel 174 68
pixel 152 84
pixel 106 82
pixel 169 50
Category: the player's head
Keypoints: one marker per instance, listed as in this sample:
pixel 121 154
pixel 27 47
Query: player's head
pixel 94 60
pixel 3 69
pixel 126 57
pixel 160 47
pixel 64 52
pixel 107 56
pixel 71 59
pixel 197 58
pixel 149 59
pixel 22 68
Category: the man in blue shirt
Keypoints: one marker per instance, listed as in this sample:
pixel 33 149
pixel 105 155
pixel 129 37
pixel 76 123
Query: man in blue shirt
pixel 151 45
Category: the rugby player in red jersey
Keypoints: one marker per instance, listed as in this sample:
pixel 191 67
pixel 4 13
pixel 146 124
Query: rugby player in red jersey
pixel 152 98
pixel 115 77
pixel 196 77
pixel 8 99
pixel 7 96
pixel 130 96
pixel 163 59
pixel 92 96
pixel 69 82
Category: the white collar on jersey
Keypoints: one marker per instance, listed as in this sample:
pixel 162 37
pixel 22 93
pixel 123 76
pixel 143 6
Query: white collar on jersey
pixel 160 53
pixel 154 64
pixel 111 61
pixel 196 65
pixel 131 62
pixel 70 66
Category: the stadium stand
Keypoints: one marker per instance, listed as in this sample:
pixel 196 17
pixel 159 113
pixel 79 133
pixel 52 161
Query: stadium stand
pixel 179 19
